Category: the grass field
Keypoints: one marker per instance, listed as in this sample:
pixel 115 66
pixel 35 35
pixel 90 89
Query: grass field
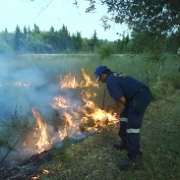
pixel 95 158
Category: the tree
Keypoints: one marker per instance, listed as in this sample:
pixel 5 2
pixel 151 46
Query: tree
pixel 51 31
pixel 36 29
pixel 52 39
pixel 122 45
pixel 5 42
pixel 17 39
pixel 93 41
pixel 155 16
pixel 64 39
pixel 24 32
pixel 77 41
pixel 173 42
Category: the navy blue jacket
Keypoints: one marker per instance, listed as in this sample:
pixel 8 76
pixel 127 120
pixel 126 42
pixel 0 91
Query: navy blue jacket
pixel 119 84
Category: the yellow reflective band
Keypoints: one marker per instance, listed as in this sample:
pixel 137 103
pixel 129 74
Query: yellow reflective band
pixel 119 75
pixel 124 119
pixel 133 131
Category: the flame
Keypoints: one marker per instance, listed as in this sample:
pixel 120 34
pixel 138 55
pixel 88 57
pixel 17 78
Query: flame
pixel 21 84
pixel 35 177
pixel 70 81
pixel 88 113
pixel 45 171
pixel 17 83
pixel 71 126
pixel 63 133
pixel 60 102
pixel 76 114
pixel 92 111
pixel 69 121
pixel 44 142
pixel 87 80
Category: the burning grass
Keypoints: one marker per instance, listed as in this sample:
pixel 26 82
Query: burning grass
pixel 96 159
pixel 89 108
pixel 74 115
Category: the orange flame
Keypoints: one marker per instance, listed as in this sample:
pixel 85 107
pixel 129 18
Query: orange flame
pixel 99 116
pixel 44 142
pixel 70 82
pixel 89 111
pixel 60 102
pixel 72 115
pixel 87 80
pixel 45 171
pixel 71 126
pixel 35 177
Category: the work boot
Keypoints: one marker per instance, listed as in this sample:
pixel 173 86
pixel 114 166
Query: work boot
pixel 133 163
pixel 120 146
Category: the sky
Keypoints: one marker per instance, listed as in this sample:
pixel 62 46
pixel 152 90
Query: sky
pixel 48 13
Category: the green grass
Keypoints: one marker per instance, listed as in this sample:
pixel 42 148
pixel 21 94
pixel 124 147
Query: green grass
pixel 96 159
pixel 134 65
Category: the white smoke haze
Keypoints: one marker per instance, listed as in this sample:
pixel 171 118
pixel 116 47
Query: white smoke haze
pixel 23 89
pixel 25 86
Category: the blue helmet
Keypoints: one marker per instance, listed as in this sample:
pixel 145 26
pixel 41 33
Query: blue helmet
pixel 99 70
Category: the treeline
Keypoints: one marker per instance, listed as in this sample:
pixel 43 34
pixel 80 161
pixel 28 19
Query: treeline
pixel 61 41
pixel 37 41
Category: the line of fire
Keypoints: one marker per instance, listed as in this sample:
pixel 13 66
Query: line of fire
pixel 73 116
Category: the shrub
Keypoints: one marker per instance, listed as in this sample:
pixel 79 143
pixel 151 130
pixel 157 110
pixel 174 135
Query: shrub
pixel 166 85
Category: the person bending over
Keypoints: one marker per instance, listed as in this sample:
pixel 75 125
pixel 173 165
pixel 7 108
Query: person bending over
pixel 135 97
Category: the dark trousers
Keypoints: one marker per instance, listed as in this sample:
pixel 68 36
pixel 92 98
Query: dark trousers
pixel 131 120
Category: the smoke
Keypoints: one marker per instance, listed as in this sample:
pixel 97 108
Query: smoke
pixel 22 89
pixel 24 85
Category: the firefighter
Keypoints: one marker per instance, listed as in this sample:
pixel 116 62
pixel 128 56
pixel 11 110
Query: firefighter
pixel 135 97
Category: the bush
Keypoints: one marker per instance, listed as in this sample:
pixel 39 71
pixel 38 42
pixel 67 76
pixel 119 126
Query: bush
pixel 105 52
pixel 174 79
pixel 166 85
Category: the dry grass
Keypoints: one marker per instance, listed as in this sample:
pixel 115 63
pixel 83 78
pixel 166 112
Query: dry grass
pixel 96 159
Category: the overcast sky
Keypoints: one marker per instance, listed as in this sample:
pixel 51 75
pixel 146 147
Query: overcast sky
pixel 59 12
